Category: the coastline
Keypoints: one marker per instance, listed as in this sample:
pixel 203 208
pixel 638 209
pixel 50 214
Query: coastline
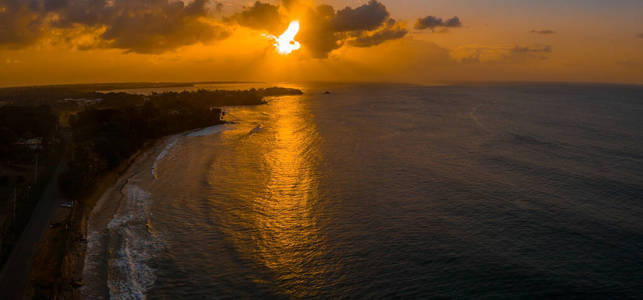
pixel 105 210
pixel 90 220
pixel 96 206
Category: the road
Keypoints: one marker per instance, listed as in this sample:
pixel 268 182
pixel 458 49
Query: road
pixel 15 273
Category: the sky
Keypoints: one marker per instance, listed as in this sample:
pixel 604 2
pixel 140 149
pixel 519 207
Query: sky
pixel 414 41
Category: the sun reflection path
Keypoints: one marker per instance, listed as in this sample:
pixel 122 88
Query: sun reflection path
pixel 290 242
pixel 271 206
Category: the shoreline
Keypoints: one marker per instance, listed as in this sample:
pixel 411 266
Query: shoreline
pixel 72 262
pixel 98 209
pixel 105 211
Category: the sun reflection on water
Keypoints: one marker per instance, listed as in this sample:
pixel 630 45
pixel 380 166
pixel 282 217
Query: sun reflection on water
pixel 282 235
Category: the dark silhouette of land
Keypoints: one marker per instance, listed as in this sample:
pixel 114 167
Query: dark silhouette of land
pixel 14 275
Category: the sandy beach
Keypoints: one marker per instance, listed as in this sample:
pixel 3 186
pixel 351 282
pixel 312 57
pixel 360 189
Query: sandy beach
pixel 94 266
pixel 123 208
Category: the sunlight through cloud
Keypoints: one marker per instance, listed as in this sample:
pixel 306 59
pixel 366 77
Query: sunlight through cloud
pixel 285 43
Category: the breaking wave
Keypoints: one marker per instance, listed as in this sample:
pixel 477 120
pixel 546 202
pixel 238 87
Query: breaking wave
pixel 209 130
pixel 164 153
pixel 133 244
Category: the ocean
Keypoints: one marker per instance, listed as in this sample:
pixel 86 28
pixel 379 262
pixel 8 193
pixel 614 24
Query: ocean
pixel 386 191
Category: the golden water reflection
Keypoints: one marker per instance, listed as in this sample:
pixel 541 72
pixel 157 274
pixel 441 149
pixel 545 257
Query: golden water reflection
pixel 287 237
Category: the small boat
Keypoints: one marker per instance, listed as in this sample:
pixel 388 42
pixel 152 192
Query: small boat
pixel 257 129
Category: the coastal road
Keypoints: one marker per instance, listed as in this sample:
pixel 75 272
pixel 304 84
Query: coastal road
pixel 15 273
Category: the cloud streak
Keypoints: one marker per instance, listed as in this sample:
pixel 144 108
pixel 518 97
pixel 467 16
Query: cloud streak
pixel 391 31
pixel 521 50
pixel 544 31
pixel 501 54
pixel 432 22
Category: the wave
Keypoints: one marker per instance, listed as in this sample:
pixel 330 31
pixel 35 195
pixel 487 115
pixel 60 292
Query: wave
pixel 164 153
pixel 133 244
pixel 209 130
pixel 175 139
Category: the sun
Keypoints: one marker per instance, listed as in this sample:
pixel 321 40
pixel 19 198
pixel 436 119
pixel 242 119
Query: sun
pixel 285 43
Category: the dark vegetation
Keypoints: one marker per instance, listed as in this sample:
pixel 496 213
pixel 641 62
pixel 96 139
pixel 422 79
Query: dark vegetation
pixel 36 95
pixel 105 137
pixel 22 123
pixel 24 166
pixel 104 134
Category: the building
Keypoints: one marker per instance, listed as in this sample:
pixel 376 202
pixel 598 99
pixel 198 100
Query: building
pixel 33 143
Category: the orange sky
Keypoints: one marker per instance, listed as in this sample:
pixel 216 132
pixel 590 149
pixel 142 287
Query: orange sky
pixel 497 40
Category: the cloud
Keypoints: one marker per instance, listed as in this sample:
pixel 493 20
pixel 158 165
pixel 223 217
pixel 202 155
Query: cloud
pixel 640 35
pixel 20 23
pixel 366 17
pixel 543 31
pixel 500 54
pixel 145 26
pixel 526 49
pixel 391 31
pixel 431 22
pixel 318 36
pixel 259 16
pixel 325 29
pixel 157 26
pixel 167 26
pixel 519 54
pixel 365 26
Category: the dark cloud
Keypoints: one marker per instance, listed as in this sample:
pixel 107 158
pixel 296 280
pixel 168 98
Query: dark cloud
pixel 519 49
pixel 526 53
pixel 431 22
pixel 391 31
pixel 544 31
pixel 166 25
pixel 146 26
pixel 453 22
pixel 501 55
pixel 259 16
pixel 155 26
pixel 324 29
pixel 640 35
pixel 367 25
pixel 20 22
pixel 366 17
pixel 318 36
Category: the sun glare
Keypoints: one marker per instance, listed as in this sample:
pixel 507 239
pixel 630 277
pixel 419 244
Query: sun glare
pixel 285 43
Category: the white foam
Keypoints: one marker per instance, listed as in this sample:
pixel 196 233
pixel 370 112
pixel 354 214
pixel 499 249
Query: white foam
pixel 175 139
pixel 163 153
pixel 209 130
pixel 130 276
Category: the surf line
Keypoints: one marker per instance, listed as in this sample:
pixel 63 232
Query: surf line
pixel 173 141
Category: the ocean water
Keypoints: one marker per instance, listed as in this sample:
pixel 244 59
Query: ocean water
pixel 386 191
